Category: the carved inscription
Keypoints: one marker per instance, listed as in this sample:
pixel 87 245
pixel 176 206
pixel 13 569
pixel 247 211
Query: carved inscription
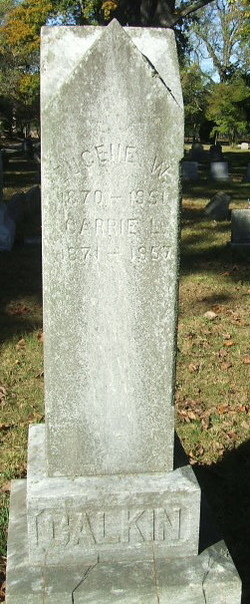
pixel 100 199
pixel 131 526
pixel 93 219
pixel 115 153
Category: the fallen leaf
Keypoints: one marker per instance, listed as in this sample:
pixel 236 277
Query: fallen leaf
pixel 226 366
pixel 222 353
pixel 245 425
pixel 222 409
pixel 193 368
pixel 18 310
pixel 232 435
pixel 210 314
pixel 5 488
pixel 2 393
pixel 246 360
pixel 191 415
pixel 20 344
pixel 40 337
pixel 229 343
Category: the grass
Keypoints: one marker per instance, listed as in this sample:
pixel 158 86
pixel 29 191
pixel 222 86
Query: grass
pixel 213 360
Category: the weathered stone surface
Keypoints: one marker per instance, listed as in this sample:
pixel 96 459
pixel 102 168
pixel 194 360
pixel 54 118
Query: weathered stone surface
pixel 209 577
pixel 110 215
pixel 111 517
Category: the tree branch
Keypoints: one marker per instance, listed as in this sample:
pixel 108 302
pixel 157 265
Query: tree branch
pixel 191 8
pixel 162 13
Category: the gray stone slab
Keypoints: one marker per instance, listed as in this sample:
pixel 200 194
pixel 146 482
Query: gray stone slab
pixel 244 146
pixel 240 227
pixel 219 170
pixel 110 224
pixel 218 206
pixel 209 578
pixel 111 517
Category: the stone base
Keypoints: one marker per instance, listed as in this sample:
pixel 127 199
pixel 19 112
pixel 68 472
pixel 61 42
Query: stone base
pixel 209 578
pixel 108 518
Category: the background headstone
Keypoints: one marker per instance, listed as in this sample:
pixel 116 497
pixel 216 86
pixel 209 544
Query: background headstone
pixel 240 227
pixel 189 170
pixel 197 152
pixel 219 170
pixel 244 146
pixel 215 152
pixel 218 206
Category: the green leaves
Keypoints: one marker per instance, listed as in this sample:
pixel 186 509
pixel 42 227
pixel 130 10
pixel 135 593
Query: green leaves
pixel 227 108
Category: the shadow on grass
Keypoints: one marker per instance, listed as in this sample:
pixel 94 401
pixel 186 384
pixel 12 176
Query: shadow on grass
pixel 19 174
pixel 216 259
pixel 226 486
pixel 20 269
pixel 20 291
pixel 225 506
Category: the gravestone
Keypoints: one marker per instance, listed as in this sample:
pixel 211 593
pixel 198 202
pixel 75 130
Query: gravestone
pixel 219 170
pixel 218 207
pixel 215 152
pixel 189 170
pixel 104 517
pixel 244 146
pixel 197 152
pixel 240 228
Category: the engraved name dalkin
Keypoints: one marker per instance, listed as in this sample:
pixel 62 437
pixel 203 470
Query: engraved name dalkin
pixel 131 526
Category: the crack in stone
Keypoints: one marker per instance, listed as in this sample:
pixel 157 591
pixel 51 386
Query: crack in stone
pixel 88 571
pixel 211 563
pixel 156 74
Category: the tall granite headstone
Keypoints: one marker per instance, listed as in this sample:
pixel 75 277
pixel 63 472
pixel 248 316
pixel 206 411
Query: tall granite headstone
pixel 104 517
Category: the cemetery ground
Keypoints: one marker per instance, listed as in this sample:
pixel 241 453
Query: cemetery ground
pixel 213 356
